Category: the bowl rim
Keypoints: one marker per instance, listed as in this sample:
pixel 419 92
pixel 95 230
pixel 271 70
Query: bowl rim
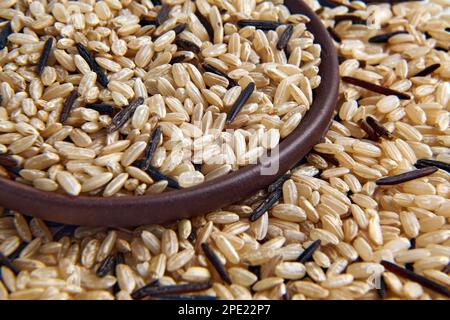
pixel 207 196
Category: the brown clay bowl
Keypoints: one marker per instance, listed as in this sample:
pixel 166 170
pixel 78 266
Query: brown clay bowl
pixel 211 195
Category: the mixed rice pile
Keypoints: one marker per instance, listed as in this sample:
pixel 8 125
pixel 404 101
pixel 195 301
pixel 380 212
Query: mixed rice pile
pixel 129 97
pixel 364 217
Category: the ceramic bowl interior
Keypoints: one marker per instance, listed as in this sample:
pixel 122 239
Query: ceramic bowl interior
pixel 208 196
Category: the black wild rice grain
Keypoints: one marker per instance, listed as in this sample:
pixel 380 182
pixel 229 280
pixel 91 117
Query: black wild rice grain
pixel 369 130
pixel 287 52
pixel 220 268
pixel 192 236
pixel 66 230
pixel 6 262
pixel 68 104
pixel 285 37
pixel 7 160
pixel 177 59
pixel 14 171
pixel 241 100
pixel 103 108
pixel 407 176
pixel 442 49
pixel 422 163
pixel 349 17
pixel 157 291
pixel 101 76
pixel 410 275
pixel 206 24
pixel 260 24
pixel 382 289
pixel 155 139
pixel 163 14
pixel 375 88
pixel 179 28
pixel 334 35
pixel 428 70
pixel 156 2
pixel 381 38
pixel 278 184
pixel 6 31
pixel 140 293
pixel 145 22
pixel 158 176
pixel 106 266
pixel 84 53
pixel 189 297
pixel 44 55
pixel 307 254
pixel 187 45
pixel 378 128
pixel 212 69
pixel 123 115
pixel 120 259
pixel 265 205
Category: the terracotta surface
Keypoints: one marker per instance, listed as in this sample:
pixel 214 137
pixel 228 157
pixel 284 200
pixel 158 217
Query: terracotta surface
pixel 169 206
